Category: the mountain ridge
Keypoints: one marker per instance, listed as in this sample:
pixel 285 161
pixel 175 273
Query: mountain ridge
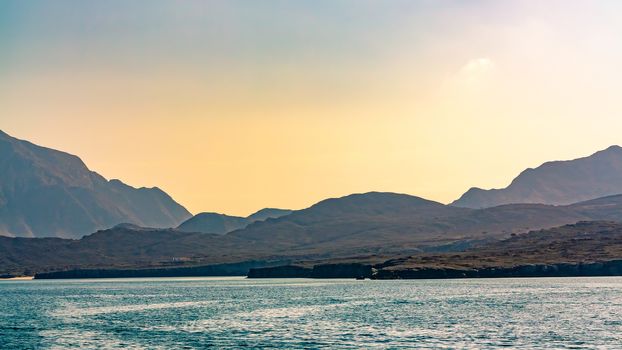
pixel 211 222
pixel 46 192
pixel 304 235
pixel 558 182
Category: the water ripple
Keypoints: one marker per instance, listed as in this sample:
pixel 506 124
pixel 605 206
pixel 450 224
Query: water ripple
pixel 544 313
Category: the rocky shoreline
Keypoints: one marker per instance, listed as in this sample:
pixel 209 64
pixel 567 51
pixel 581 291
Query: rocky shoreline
pixel 353 270
pixel 581 249
pixel 233 269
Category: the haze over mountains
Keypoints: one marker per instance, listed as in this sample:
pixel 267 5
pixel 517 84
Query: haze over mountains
pixel 48 193
pixel 558 182
pixel 373 223
pixel 221 223
pixel 378 222
pixel 44 192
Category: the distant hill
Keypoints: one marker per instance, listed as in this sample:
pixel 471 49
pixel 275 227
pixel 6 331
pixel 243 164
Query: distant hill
pixel 352 222
pixel 378 222
pixel 213 223
pixel 221 223
pixel 558 182
pixel 587 248
pixel 121 246
pixel 361 224
pixel 49 193
pixel 268 213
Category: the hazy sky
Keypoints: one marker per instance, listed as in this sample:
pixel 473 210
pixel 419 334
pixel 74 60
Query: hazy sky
pixel 232 106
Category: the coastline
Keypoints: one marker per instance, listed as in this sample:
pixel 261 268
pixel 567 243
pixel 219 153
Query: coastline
pixel 361 271
pixel 217 270
pixel 17 278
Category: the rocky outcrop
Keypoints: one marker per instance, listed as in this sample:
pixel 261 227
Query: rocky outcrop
pixel 352 270
pixel 343 270
pixel 287 271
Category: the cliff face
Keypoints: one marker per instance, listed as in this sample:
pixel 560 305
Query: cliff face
pixel 343 270
pixel 606 268
pixel 287 271
pixel 233 269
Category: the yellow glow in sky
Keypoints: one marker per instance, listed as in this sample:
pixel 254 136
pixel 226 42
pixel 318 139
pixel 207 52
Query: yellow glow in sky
pixel 232 107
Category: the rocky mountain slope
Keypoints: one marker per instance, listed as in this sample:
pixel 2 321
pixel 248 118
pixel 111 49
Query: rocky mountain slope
pixel 558 182
pixel 49 193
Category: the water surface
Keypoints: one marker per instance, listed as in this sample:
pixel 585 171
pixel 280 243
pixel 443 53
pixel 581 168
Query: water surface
pixel 195 313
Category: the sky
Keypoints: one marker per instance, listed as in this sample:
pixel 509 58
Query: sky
pixel 232 106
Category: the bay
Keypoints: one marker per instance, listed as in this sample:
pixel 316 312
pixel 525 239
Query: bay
pixel 198 313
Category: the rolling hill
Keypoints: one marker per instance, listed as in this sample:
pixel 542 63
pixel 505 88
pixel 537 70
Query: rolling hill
pixel 221 223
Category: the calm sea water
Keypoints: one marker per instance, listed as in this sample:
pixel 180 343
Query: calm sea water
pixel 560 313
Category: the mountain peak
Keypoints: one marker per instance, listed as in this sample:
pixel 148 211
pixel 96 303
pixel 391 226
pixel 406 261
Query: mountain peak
pixel 556 182
pixel 53 193
pixel 268 213
pixel 612 148
pixel 379 197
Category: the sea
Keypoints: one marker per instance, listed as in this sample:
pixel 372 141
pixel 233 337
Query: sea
pixel 240 313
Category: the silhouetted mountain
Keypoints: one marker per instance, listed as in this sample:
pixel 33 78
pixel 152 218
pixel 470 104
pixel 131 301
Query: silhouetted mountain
pixel 221 223
pixel 386 224
pixel 49 193
pixel 348 222
pixel 121 246
pixel 213 223
pixel 268 213
pixel 558 182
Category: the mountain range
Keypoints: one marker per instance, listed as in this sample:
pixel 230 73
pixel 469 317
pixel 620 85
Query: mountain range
pixel 92 222
pixel 366 224
pixel 378 223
